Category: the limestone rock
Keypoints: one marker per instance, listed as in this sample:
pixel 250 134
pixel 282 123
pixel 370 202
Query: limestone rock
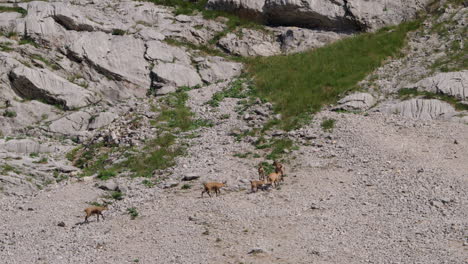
pixel 217 69
pixel 425 109
pixel 118 57
pixel 250 43
pixel 157 50
pixel 44 85
pixel 27 146
pixel 356 101
pixel 449 83
pixel 336 15
pixel 174 74
pixel 70 124
pixel 102 120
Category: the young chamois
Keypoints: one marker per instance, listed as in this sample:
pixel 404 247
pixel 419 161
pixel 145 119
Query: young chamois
pixel 279 168
pixel 274 178
pixel 261 172
pixel 212 186
pixel 255 185
pixel 97 210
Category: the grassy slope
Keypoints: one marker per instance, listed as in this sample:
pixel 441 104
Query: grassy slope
pixel 302 83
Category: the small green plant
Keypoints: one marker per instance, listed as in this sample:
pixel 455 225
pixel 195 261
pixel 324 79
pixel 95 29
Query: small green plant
pixel 118 32
pixel 9 113
pixel 28 40
pixel 117 195
pixel 20 10
pixel 47 62
pixel 132 212
pixel 106 174
pixel 43 160
pixel 34 155
pixel 186 186
pixel 328 124
pixel 148 183
pixel 5 46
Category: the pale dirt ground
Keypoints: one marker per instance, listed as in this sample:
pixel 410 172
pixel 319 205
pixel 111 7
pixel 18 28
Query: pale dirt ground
pixel 371 206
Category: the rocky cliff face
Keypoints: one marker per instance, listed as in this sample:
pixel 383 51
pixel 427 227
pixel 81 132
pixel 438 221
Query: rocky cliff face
pixel 351 15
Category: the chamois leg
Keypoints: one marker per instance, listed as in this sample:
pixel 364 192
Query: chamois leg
pixel 97 215
pixel 102 216
pixel 86 219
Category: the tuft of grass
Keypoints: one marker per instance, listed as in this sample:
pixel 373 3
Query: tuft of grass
pixel 301 84
pixel 118 32
pixel 47 62
pixel 28 40
pixel 106 174
pixel 148 183
pixel 5 46
pixel 20 10
pixel 328 124
pixel 237 89
pixel 117 195
pixel 132 212
pixel 9 113
pixel 278 148
pixel 186 186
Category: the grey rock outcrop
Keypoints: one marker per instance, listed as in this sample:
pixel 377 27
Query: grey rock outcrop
pixel 71 124
pixel 174 74
pixel 349 15
pixel 215 69
pixel 250 43
pixel 119 58
pixel 101 120
pixel 27 146
pixel 43 84
pixel 157 50
pixel 449 83
pixel 425 109
pixel 294 39
pixel 356 101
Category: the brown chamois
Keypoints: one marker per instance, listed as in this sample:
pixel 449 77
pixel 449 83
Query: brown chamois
pixel 97 210
pixel 274 178
pixel 255 185
pixel 261 172
pixel 279 168
pixel 212 186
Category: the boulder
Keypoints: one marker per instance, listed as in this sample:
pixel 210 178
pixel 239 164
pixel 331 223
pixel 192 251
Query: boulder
pixel 71 124
pixel 157 50
pixel 27 146
pixel 356 101
pixel 250 43
pixel 71 19
pixel 119 58
pixel 174 74
pixel 101 120
pixel 215 69
pixel 449 83
pixel 425 109
pixel 42 84
pixel 294 39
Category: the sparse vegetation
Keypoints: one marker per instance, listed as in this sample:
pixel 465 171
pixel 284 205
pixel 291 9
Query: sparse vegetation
pixel 116 195
pixel 328 124
pixel 47 62
pixel 20 10
pixel 239 88
pixel 147 183
pixel 106 174
pixel 118 32
pixel 132 212
pixel 300 84
pixel 186 186
pixel 9 113
pixel 6 46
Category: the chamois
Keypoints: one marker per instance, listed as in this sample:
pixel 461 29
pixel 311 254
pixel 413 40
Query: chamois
pixel 279 168
pixel 274 178
pixel 97 210
pixel 209 186
pixel 257 184
pixel 261 172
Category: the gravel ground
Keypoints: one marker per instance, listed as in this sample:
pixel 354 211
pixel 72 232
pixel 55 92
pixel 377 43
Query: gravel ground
pixel 378 189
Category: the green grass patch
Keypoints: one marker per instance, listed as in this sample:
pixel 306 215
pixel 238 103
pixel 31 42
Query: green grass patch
pixel 132 212
pixel 186 186
pixel 9 113
pixel 117 195
pixel 47 62
pixel 279 147
pixel 28 40
pixel 408 93
pixel 20 10
pixel 6 46
pixel 236 89
pixel 301 84
pixel 328 124
pixel 106 174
